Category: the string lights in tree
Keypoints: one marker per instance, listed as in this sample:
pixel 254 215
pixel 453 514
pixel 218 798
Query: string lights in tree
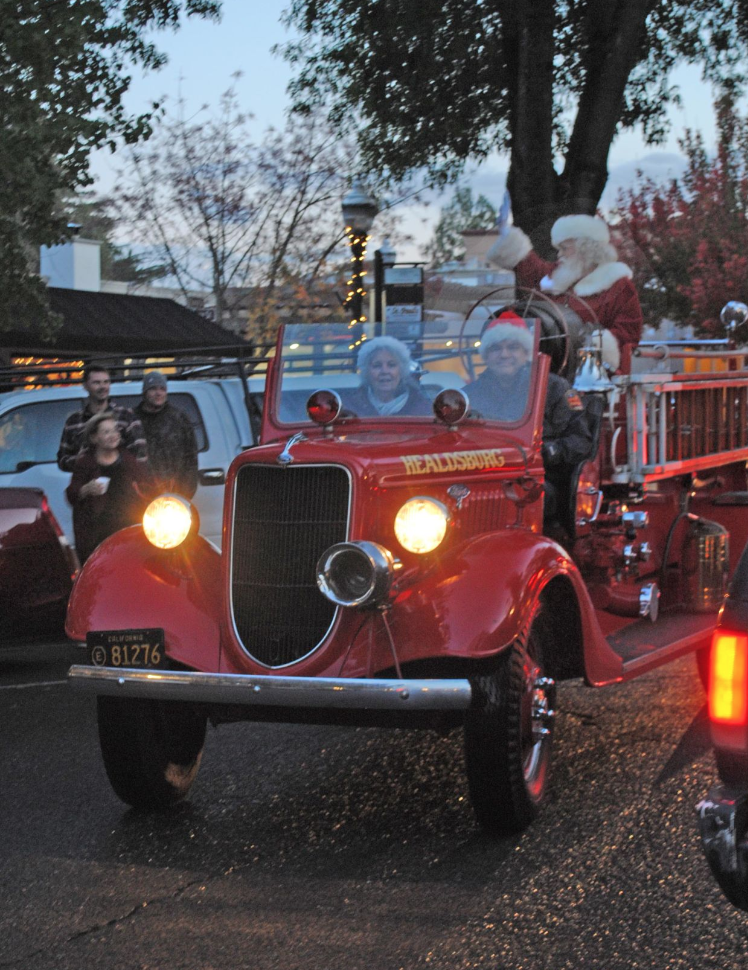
pixel 359 211
pixel 356 293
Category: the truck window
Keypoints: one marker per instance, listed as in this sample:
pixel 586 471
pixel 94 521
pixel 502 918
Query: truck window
pixel 31 432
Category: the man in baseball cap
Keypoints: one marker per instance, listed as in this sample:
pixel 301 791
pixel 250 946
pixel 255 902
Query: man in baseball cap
pixel 587 276
pixel 172 448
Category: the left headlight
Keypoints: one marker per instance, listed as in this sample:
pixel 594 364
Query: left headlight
pixel 168 521
pixel 421 524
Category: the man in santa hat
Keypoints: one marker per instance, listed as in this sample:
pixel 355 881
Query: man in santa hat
pixel 500 392
pixel 588 277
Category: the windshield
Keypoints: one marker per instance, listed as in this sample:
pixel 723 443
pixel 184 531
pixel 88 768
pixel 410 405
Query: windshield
pixel 382 376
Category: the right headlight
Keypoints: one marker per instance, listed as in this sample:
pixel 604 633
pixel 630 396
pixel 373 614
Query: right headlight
pixel 168 521
pixel 421 524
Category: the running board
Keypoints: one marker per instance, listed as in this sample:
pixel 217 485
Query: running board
pixel 644 645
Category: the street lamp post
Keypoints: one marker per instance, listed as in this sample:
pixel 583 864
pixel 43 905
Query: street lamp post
pixel 359 210
pixel 384 257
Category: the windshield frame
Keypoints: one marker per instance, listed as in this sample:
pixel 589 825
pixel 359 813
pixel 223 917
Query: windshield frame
pixel 348 378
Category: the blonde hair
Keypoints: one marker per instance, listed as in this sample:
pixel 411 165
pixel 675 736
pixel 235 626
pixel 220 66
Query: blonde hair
pixel 92 425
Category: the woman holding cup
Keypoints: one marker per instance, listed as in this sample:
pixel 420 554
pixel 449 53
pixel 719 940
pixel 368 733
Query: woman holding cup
pixel 109 487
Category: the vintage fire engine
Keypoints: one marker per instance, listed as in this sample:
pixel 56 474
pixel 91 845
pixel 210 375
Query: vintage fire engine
pixel 394 570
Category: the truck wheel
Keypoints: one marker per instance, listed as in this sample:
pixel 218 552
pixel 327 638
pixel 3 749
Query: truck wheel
pixel 508 737
pixel 703 656
pixel 151 748
pixel 732 767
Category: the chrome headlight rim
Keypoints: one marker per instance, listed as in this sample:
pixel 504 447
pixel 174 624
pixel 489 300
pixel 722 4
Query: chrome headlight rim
pixel 444 513
pixel 186 507
pixel 377 559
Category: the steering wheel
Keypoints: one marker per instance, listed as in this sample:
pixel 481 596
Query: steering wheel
pixel 528 302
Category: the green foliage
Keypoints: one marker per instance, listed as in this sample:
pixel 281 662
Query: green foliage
pixel 64 68
pixel 463 212
pixel 440 82
pixel 688 240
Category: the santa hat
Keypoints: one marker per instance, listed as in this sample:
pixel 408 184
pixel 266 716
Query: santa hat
pixel 506 326
pixel 579 227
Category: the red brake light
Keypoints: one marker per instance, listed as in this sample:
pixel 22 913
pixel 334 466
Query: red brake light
pixel 728 681
pixel 324 407
pixel 451 406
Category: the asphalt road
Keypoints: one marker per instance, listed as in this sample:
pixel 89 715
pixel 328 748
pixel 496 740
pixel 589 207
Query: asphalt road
pixel 316 848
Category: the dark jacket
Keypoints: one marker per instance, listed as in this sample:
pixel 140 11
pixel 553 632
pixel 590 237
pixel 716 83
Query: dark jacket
pixel 567 438
pixel 417 403
pixel 172 449
pixel 71 441
pixel 98 516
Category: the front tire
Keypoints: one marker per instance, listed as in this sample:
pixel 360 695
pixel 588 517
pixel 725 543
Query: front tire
pixel 703 660
pixel 508 737
pixel 151 748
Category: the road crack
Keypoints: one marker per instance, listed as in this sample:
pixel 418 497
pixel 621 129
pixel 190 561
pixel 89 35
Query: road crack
pixel 115 921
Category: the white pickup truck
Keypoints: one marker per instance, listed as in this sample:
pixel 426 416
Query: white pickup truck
pixel 31 423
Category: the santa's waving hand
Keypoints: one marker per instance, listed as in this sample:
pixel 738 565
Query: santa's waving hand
pixel 587 276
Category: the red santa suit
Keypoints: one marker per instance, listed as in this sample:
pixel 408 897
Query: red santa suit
pixel 605 296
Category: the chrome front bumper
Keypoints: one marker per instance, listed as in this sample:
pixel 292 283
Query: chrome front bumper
pixel 723 825
pixel 295 693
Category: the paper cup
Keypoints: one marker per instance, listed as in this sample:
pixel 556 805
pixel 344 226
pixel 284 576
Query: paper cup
pixel 103 480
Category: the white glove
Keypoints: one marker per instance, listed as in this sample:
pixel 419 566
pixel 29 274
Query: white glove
pixel 611 352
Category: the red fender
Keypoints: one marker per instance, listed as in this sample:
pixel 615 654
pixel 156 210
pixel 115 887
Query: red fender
pixel 129 584
pixel 481 597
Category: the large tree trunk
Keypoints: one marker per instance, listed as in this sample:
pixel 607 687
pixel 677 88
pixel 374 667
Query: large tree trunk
pixel 529 44
pixel 615 30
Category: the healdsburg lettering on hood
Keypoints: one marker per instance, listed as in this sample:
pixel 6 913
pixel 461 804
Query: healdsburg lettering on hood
pixel 456 461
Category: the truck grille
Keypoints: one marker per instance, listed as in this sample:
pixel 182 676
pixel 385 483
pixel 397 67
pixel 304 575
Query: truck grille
pixel 284 519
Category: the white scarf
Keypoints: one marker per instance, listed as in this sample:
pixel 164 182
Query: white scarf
pixel 388 407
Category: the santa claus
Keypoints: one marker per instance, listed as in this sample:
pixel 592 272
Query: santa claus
pixel 587 277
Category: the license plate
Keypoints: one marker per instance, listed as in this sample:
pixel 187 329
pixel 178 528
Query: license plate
pixel 126 648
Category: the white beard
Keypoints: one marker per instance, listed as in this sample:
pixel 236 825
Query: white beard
pixel 567 272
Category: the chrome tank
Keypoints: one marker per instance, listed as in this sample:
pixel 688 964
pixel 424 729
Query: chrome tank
pixel 706 553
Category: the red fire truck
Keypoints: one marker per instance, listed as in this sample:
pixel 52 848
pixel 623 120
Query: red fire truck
pixel 394 569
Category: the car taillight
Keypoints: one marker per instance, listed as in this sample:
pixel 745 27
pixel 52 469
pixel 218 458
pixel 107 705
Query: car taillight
pixel 51 518
pixel 728 681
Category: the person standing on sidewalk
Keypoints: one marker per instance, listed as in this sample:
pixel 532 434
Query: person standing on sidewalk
pixel 97 382
pixel 172 447
pixel 109 487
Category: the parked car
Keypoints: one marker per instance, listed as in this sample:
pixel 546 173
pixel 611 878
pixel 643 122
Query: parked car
pixel 37 564
pixel 394 570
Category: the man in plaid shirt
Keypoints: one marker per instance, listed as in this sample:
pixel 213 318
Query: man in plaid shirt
pixel 96 381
